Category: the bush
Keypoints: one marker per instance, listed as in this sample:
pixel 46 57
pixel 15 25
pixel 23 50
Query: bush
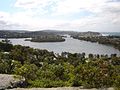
pixel 46 83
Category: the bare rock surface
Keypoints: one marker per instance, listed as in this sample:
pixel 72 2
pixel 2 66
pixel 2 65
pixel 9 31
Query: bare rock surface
pixel 9 81
pixel 59 88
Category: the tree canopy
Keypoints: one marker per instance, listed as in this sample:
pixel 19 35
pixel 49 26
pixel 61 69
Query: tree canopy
pixel 42 68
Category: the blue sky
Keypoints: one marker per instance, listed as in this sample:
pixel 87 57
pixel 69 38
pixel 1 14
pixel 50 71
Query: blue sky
pixel 76 15
pixel 7 5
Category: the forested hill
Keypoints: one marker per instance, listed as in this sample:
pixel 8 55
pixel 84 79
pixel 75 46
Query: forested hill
pixel 21 34
pixel 31 34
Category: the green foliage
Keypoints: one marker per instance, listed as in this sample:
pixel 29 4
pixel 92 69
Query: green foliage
pixel 41 68
pixel 4 67
pixel 46 83
pixel 27 70
pixel 6 47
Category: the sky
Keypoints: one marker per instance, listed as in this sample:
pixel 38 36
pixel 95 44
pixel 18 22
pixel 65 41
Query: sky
pixel 75 15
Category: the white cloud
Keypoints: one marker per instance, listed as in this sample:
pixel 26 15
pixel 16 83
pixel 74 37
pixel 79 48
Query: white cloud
pixel 44 14
pixel 61 6
pixel 4 16
pixel 38 6
pixel 71 6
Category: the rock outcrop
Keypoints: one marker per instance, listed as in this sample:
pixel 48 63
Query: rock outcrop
pixel 10 81
pixel 60 88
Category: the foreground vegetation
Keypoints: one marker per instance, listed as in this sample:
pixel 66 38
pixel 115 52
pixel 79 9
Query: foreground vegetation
pixel 41 68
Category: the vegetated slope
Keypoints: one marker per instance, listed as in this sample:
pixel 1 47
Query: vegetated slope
pixel 42 68
pixel 107 40
pixel 23 34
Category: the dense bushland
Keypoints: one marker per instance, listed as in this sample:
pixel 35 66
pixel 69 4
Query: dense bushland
pixel 42 68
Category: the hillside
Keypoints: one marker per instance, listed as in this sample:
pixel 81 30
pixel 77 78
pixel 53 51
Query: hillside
pixel 30 34
pixel 44 69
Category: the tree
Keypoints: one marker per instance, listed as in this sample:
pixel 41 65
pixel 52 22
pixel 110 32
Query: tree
pixel 27 70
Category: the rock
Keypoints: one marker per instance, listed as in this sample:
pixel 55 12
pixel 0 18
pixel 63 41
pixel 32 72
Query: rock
pixel 59 88
pixel 10 81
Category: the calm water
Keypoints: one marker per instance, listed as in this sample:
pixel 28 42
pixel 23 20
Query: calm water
pixel 70 45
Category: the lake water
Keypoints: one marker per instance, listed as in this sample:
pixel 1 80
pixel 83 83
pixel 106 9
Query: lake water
pixel 70 45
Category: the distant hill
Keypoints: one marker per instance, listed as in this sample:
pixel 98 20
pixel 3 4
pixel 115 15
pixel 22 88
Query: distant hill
pixel 90 34
pixel 60 32
pixel 20 34
pixel 30 34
